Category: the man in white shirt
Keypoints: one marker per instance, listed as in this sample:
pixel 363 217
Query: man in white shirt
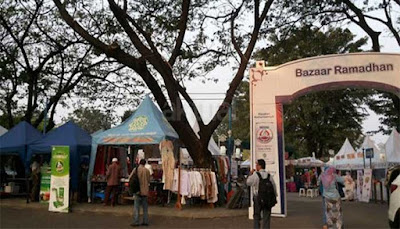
pixel 253 181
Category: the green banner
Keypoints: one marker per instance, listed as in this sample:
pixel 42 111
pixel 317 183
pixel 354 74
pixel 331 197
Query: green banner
pixel 45 172
pixel 59 185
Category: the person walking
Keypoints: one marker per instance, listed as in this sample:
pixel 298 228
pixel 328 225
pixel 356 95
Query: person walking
pixel 141 197
pixel 114 173
pixel 35 176
pixel 254 181
pixel 333 203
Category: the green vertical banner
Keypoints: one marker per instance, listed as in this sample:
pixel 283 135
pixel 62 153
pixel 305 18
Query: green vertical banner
pixel 45 172
pixel 59 185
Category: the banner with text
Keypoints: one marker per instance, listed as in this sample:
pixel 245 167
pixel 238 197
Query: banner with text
pixel 359 184
pixel 59 185
pixel 366 186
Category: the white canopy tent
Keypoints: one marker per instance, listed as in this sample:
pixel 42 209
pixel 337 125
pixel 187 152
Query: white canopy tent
pixel 245 164
pixel 3 130
pixel 392 148
pixel 346 157
pixel 308 162
pixel 378 161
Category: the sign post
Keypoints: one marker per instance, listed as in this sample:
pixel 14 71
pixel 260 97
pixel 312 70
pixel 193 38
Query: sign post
pixel 369 153
pixel 59 185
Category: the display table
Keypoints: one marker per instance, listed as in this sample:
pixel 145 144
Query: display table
pixel 102 185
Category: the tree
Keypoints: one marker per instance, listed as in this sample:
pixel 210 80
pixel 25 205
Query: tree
pixel 126 115
pixel 163 42
pixel 91 119
pixel 361 13
pixel 42 63
pixel 387 105
pixel 240 115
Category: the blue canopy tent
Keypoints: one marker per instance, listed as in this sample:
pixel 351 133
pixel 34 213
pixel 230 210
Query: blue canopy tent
pixel 146 126
pixel 69 134
pixel 16 141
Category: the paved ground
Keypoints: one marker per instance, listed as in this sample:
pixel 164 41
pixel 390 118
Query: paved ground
pixel 303 213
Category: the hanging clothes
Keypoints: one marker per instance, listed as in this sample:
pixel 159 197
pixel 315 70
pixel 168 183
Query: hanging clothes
pixel 168 163
pixel 214 196
pixel 100 166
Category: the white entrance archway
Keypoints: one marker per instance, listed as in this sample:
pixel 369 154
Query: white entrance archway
pixel 271 87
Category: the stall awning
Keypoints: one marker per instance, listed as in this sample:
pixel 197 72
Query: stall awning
pixel 69 134
pixel 16 140
pixel 146 126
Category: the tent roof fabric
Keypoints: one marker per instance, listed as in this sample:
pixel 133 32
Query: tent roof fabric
pixel 2 130
pixel 68 134
pixel 18 138
pixel 345 156
pixel 355 161
pixel 147 125
pixel 392 147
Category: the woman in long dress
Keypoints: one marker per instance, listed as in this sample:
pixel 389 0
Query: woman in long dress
pixel 333 203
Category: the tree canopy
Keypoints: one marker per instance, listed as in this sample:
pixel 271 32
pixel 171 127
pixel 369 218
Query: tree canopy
pixel 103 52
pixel 43 63
pixel 91 119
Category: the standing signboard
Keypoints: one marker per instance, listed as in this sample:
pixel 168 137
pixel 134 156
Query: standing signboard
pixel 45 172
pixel 359 183
pixel 366 188
pixel 59 185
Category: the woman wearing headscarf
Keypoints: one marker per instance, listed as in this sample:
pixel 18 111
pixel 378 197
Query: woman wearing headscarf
pixel 333 204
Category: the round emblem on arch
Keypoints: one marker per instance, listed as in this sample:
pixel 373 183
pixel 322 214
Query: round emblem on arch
pixel 264 135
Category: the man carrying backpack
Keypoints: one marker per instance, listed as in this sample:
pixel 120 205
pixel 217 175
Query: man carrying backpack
pixel 264 194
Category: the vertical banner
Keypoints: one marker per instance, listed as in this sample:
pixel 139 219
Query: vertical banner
pixel 359 184
pixel 45 172
pixel 366 187
pixel 59 185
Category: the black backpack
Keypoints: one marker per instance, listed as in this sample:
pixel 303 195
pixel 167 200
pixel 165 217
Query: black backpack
pixel 266 193
pixel 134 185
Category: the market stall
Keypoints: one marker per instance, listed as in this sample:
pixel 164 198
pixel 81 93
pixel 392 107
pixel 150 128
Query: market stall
pixel 13 152
pixel 147 131
pixel 346 157
pixel 392 148
pixel 69 134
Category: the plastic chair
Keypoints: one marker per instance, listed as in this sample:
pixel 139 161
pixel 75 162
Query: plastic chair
pixel 316 192
pixel 310 193
pixel 302 192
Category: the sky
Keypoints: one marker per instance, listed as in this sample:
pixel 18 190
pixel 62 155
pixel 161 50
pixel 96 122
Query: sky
pixel 224 75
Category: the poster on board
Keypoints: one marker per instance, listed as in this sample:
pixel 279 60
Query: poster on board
pixel 366 186
pixel 59 185
pixel 359 184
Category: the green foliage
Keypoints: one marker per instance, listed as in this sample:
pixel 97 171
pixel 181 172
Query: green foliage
pixel 91 119
pixel 308 42
pixel 387 105
pixel 126 115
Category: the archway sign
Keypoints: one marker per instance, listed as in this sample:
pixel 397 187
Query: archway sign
pixel 271 87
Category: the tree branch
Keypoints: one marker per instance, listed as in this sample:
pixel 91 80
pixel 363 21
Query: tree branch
pixel 364 25
pixel 223 109
pixel 233 39
pixel 182 29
